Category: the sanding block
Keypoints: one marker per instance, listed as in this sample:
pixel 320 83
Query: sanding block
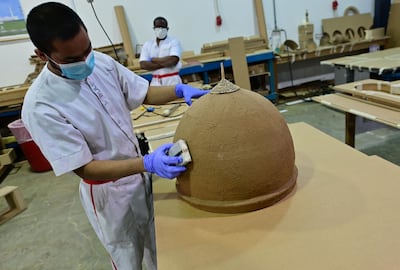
pixel 181 149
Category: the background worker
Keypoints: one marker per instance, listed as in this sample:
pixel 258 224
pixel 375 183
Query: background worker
pixel 162 55
pixel 78 112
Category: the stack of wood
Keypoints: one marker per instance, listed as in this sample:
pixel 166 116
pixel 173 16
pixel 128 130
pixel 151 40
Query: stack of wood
pixel 209 56
pixel 13 95
pixel 251 44
pixel 39 64
pixel 109 50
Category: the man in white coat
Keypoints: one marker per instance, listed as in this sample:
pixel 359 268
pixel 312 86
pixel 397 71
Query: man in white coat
pixel 162 55
pixel 78 113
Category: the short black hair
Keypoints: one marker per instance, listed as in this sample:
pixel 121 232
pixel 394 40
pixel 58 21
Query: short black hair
pixel 162 19
pixel 52 21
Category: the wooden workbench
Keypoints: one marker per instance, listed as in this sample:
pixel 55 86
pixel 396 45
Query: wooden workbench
pixel 205 66
pixel 377 106
pixel 343 215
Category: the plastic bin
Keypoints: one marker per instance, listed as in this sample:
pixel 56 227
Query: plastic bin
pixel 31 151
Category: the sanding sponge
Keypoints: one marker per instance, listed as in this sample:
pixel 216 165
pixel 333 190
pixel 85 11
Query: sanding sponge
pixel 181 149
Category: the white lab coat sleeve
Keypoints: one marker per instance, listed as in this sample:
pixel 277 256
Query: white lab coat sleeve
pixel 133 86
pixel 145 52
pixel 61 144
pixel 176 48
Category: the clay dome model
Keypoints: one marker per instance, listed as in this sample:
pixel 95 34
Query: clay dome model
pixel 242 152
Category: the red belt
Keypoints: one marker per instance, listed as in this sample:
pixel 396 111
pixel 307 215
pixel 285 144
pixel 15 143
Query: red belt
pixel 97 182
pixel 159 76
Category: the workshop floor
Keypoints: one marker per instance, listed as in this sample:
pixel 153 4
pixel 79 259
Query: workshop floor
pixel 53 233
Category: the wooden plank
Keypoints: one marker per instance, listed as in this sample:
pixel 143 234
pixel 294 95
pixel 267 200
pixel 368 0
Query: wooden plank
pixel 239 63
pixel 126 37
pixel 203 56
pixel 262 27
pixel 6 190
pixel 251 44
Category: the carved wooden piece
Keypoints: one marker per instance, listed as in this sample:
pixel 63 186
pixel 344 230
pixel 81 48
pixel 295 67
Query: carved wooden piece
pixel 383 86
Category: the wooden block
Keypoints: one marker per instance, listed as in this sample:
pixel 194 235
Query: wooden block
pixel 15 202
pixel 262 26
pixel 7 156
pixel 239 63
pixel 126 37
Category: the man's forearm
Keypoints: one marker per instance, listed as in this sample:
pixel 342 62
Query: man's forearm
pixel 104 170
pixel 166 61
pixel 149 65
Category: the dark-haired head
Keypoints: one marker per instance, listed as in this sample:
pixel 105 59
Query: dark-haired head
pixel 160 22
pixel 52 21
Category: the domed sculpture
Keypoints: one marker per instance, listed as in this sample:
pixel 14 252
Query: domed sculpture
pixel 242 151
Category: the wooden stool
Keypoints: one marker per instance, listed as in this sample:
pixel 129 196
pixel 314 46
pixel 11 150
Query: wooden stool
pixel 14 200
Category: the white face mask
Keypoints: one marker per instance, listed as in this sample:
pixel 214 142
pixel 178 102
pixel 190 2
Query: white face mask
pixel 160 32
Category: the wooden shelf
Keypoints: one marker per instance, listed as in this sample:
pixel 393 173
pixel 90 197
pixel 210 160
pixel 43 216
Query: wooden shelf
pixel 330 51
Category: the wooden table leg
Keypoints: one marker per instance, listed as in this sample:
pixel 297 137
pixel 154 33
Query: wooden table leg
pixel 350 129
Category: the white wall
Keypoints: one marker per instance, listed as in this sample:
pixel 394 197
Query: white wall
pixel 192 21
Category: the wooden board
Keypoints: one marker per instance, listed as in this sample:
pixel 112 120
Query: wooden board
pixel 380 61
pixel 203 56
pixel 251 44
pixel 126 37
pixel 239 63
pixel 357 107
pixel 262 26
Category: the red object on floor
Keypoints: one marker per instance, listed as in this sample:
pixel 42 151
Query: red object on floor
pixel 35 157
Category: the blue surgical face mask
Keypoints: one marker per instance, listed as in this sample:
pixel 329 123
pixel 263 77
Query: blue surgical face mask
pixel 78 70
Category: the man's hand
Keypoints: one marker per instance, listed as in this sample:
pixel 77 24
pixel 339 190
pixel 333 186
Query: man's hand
pixel 161 164
pixel 188 92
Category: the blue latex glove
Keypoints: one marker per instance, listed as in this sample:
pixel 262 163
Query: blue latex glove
pixel 188 92
pixel 161 164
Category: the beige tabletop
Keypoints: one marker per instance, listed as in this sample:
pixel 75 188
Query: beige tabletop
pixel 343 215
pixel 144 121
